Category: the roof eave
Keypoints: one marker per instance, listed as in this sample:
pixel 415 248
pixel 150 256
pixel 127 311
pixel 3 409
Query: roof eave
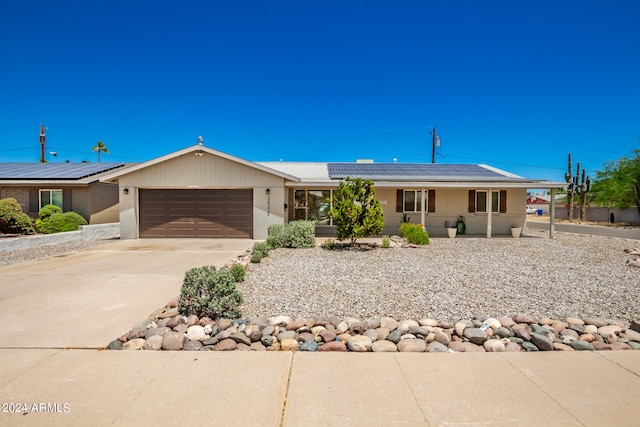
pixel 442 184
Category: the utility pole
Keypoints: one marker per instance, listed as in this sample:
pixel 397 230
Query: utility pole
pixel 42 141
pixel 435 142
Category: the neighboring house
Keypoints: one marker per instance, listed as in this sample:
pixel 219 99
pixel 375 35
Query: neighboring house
pixel 70 186
pixel 201 192
pixel 544 202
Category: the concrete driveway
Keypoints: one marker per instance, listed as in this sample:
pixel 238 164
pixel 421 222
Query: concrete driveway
pixel 86 299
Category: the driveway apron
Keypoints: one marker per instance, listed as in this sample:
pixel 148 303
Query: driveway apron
pixel 87 298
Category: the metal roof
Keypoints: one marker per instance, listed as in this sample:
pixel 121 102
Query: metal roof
pixel 418 172
pixel 53 171
pixel 305 171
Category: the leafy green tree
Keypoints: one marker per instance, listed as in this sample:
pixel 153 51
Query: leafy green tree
pixel 356 211
pixel 618 185
pixel 100 147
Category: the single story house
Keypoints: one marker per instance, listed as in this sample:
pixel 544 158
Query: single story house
pixel 70 186
pixel 202 192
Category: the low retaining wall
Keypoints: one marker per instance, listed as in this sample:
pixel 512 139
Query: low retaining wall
pixel 86 232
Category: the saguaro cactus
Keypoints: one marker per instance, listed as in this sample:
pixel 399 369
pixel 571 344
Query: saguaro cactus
pixel 581 188
pixel 568 177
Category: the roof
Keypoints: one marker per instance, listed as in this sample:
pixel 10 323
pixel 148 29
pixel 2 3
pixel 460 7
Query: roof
pixel 417 172
pixel 409 174
pixel 303 174
pixel 55 173
pixel 44 171
pixel 305 171
pixel 195 149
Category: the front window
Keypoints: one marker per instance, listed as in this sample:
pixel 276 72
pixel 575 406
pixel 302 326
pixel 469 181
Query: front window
pixel 481 201
pixel 413 201
pixel 51 197
pixel 313 205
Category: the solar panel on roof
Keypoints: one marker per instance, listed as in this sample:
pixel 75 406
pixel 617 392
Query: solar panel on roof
pixel 394 171
pixel 43 171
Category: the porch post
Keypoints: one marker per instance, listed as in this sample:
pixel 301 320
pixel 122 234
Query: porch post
pixel 489 205
pixel 552 213
pixel 422 208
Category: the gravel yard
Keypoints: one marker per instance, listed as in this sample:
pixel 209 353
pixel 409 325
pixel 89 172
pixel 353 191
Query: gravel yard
pixel 451 279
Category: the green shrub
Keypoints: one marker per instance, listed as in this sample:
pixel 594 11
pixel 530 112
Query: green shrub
pixel 386 243
pixel 329 244
pixel 299 234
pixel 415 234
pixel 237 272
pixel 274 236
pixel 260 250
pixel 209 292
pixel 47 211
pixel 404 227
pixel 60 222
pixel 405 218
pixel 12 219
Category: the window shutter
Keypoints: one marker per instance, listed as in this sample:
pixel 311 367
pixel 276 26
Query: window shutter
pixel 431 201
pixel 472 201
pixel 34 200
pixel 399 200
pixel 67 203
pixel 503 201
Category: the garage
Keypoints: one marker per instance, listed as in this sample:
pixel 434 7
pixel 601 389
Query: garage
pixel 184 213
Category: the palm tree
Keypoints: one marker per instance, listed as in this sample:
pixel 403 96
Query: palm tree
pixel 100 147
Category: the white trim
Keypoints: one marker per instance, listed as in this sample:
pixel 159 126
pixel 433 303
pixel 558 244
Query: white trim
pixel 441 184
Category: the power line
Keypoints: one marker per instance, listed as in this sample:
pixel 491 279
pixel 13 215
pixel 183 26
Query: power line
pixel 17 149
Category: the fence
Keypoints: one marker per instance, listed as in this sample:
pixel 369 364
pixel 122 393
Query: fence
pixel 610 215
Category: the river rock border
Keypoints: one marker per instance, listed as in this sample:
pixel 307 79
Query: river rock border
pixel 167 329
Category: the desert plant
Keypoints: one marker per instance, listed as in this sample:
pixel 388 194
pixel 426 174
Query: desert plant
pixel 260 250
pixel 356 211
pixel 405 218
pixel 12 219
pixel 237 272
pixel 329 244
pixel 274 236
pixel 299 234
pixel 386 242
pixel 414 233
pixel 209 292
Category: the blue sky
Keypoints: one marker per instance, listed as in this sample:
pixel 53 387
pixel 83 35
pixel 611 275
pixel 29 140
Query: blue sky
pixel 513 84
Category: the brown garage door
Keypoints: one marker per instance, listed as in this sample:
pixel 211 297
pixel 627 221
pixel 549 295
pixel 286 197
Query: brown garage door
pixel 196 213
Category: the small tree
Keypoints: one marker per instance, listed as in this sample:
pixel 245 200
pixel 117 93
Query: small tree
pixel 100 147
pixel 356 212
pixel 618 185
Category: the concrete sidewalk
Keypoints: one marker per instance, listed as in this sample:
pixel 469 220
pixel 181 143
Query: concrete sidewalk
pixel 85 299
pixel 139 388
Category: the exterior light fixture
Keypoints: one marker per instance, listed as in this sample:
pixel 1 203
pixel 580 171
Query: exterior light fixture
pixel 125 191
pixel 268 191
pixel 199 153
